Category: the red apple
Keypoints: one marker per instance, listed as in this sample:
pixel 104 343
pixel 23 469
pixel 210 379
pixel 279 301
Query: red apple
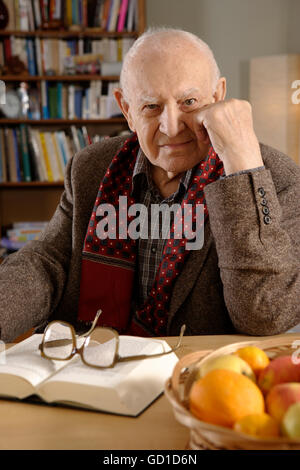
pixel 280 370
pixel 281 397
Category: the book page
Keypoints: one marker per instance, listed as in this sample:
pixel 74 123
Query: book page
pixel 127 388
pixel 78 372
pixel 25 361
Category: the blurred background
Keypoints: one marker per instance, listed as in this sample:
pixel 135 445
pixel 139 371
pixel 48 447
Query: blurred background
pixel 256 44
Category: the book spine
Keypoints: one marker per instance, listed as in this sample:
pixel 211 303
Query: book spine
pixel 44 11
pixel 61 144
pixel 71 102
pixel 67 146
pixel 58 158
pixel 3 157
pixel 46 156
pixel 78 103
pixel 23 15
pixel 61 161
pixel 44 99
pixel 30 15
pixel 52 156
pixel 7 48
pixel 131 15
pixel 17 14
pixel 37 14
pixel 11 15
pixel 25 153
pixel 80 138
pixel 59 100
pixel 30 57
pixel 37 155
pixel 75 139
pixel 16 155
pixel 122 16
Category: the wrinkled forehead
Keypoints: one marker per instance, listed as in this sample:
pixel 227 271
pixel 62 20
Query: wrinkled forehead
pixel 178 69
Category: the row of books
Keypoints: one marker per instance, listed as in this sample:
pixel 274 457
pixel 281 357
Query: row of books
pixel 63 100
pixel 28 154
pixel 52 56
pixel 109 15
pixel 20 233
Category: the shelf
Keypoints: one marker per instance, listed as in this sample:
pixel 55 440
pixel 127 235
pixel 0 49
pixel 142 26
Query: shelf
pixel 58 78
pixel 88 32
pixel 32 184
pixel 63 121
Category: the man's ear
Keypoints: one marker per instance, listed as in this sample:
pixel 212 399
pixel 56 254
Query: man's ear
pixel 124 106
pixel 220 92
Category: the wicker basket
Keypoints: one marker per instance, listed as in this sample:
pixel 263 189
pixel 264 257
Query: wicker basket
pixel 209 436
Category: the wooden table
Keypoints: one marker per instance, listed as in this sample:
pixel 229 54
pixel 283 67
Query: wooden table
pixel 30 426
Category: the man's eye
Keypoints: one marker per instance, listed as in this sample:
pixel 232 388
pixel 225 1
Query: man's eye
pixel 151 106
pixel 190 101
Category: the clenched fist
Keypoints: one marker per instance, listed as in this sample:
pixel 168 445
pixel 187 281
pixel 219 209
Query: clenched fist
pixel 229 126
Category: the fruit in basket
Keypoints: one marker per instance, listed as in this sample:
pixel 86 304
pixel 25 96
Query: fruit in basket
pixel 281 397
pixel 228 361
pixel 290 425
pixel 280 370
pixel 224 396
pixel 255 357
pixel 259 425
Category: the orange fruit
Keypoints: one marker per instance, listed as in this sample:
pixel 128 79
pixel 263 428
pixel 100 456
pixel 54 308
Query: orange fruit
pixel 255 357
pixel 258 425
pixel 224 396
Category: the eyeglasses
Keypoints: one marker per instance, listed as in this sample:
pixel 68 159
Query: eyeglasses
pixel 98 347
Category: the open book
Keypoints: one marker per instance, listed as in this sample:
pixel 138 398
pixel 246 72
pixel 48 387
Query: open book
pixel 127 388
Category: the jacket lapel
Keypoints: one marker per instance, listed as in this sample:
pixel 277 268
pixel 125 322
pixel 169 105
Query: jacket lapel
pixel 190 273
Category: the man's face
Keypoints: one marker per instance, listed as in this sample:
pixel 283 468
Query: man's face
pixel 166 89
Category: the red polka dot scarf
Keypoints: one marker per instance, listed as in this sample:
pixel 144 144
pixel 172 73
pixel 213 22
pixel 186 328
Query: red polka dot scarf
pixel 109 264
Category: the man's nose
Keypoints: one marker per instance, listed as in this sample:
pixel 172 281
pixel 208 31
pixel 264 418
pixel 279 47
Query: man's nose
pixel 171 121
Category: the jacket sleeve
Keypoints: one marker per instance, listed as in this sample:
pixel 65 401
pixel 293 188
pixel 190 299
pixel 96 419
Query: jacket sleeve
pixel 257 235
pixel 32 280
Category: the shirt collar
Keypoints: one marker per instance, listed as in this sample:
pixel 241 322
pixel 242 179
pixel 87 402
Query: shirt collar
pixel 142 166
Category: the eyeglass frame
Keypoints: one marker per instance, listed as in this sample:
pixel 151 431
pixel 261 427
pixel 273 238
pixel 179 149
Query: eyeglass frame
pixel 117 358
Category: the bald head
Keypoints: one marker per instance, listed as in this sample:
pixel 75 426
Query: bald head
pixel 162 43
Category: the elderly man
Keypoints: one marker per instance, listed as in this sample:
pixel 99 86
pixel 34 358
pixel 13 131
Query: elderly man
pixel 189 146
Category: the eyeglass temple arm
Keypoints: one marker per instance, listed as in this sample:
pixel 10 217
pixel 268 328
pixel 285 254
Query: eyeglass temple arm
pixel 87 333
pixel 146 356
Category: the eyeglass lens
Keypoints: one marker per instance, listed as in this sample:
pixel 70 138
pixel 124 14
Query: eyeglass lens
pixel 58 341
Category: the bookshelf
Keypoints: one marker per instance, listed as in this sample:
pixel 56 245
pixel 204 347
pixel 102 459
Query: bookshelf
pixel 36 200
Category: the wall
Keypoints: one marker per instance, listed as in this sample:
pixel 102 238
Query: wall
pixel 236 30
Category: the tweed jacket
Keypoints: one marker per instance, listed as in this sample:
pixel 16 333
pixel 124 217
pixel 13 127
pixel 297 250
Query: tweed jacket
pixel 245 278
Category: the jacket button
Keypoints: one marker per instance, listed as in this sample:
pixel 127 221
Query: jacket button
pixel 264 202
pixel 261 192
pixel 265 210
pixel 267 219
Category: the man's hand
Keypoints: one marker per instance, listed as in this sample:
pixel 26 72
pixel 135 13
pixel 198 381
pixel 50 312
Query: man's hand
pixel 229 127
